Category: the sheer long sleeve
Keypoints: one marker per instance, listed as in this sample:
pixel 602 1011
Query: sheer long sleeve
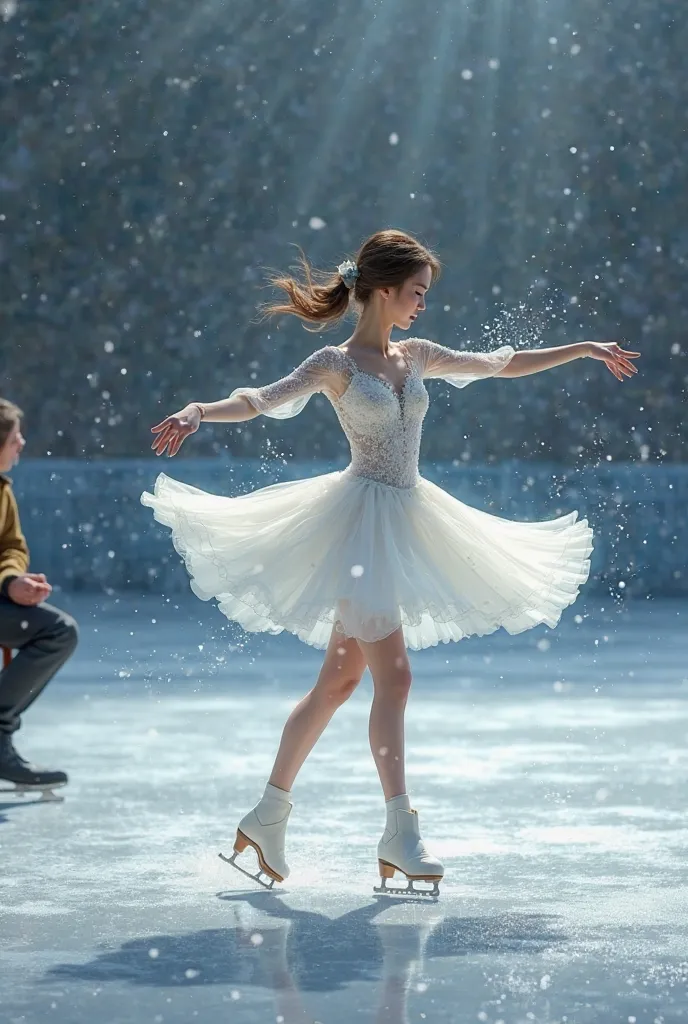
pixel 457 367
pixel 288 397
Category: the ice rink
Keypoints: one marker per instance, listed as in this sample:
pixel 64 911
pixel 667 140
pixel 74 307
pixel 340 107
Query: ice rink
pixel 550 772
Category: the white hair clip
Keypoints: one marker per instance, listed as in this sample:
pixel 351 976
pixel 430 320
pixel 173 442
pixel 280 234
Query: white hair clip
pixel 348 271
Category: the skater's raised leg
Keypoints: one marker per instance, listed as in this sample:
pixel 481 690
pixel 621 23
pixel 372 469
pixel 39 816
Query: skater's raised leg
pixel 264 827
pixel 339 676
pixel 401 847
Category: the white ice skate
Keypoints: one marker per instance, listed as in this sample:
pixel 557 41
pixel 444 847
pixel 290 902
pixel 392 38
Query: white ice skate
pixel 264 829
pixel 402 849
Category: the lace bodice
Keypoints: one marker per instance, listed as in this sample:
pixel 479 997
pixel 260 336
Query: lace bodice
pixel 383 426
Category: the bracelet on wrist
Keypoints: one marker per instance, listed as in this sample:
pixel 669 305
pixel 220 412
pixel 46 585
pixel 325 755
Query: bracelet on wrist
pixel 201 409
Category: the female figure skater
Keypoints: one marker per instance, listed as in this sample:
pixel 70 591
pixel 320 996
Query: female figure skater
pixel 375 559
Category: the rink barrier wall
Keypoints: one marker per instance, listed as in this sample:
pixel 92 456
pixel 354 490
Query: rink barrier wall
pixel 88 531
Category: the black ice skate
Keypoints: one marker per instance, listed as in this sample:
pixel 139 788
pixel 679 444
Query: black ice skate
pixel 24 777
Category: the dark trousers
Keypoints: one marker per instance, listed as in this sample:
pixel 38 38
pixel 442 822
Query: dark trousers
pixel 43 637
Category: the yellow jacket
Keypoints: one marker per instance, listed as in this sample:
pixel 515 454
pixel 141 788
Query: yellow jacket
pixel 14 552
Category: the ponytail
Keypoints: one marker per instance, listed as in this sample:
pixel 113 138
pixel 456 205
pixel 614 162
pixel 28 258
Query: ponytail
pixel 321 298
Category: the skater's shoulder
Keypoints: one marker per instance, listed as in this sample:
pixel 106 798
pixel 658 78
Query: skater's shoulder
pixel 328 352
pixel 416 343
pixel 418 348
pixel 327 358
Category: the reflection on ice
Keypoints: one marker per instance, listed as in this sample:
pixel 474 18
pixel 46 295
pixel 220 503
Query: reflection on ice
pixel 296 953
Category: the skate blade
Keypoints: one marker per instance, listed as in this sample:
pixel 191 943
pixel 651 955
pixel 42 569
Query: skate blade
pixel 387 871
pixel 408 890
pixel 48 796
pixel 240 844
pixel 256 878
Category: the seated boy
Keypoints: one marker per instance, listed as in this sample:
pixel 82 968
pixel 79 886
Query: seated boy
pixel 42 636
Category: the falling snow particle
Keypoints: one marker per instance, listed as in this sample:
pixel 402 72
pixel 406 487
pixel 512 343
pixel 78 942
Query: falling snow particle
pixel 316 223
pixel 357 570
pixel 466 74
pixel 394 139
pixel 153 953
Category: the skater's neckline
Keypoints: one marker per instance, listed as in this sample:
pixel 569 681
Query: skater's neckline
pixel 383 380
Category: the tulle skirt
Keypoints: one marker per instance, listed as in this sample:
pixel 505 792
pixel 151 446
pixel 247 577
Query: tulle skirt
pixel 345 551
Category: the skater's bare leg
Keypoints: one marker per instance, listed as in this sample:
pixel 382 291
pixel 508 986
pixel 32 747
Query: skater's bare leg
pixel 391 672
pixel 339 676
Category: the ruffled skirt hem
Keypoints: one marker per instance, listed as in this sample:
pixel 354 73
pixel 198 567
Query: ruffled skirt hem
pixel 345 553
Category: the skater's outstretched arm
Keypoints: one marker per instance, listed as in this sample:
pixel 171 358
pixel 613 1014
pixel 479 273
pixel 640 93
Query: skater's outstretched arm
pixel 459 367
pixel 618 360
pixel 321 371
pixel 173 430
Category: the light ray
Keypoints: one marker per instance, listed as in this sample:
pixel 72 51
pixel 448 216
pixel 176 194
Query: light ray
pixel 349 104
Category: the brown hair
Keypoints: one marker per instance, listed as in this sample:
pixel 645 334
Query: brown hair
pixel 385 260
pixel 10 414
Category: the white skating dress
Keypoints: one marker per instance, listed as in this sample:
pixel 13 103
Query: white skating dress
pixel 376 546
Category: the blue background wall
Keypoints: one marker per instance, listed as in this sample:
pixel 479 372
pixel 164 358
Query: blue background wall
pixel 88 531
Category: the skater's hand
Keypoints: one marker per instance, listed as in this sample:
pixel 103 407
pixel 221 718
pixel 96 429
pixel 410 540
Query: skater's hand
pixel 29 589
pixel 618 361
pixel 174 429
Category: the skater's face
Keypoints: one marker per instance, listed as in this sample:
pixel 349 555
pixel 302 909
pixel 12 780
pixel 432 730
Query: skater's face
pixel 405 303
pixel 12 449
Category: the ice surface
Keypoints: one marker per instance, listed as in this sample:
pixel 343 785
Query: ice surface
pixel 552 781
